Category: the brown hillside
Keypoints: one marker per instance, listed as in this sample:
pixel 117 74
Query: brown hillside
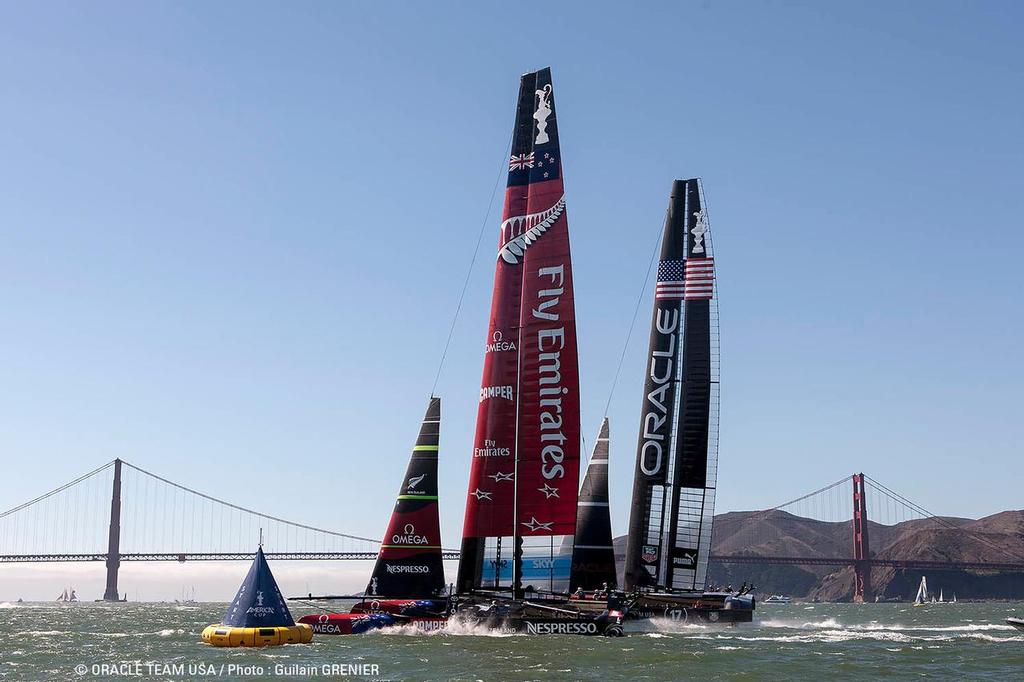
pixel 995 538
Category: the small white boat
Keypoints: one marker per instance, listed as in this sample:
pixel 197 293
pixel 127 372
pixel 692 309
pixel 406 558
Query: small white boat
pixel 777 599
pixel 1016 622
pixel 922 593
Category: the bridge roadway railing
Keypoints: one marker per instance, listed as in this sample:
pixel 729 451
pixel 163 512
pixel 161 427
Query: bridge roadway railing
pixel 454 554
pixel 201 556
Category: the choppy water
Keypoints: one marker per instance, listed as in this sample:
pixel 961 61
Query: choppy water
pixel 834 641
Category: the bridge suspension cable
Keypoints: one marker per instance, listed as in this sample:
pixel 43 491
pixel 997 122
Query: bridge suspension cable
pixel 158 520
pixel 236 507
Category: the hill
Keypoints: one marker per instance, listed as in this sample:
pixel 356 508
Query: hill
pixel 995 538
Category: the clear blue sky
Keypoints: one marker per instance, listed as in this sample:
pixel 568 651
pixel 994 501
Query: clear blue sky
pixel 232 237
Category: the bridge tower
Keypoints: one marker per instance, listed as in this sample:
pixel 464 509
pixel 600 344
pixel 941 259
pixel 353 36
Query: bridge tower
pixel 861 555
pixel 114 539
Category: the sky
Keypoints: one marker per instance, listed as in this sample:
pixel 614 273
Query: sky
pixel 233 238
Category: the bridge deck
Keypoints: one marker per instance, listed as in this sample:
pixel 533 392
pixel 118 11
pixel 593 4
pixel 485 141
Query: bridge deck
pixel 202 556
pixel 454 554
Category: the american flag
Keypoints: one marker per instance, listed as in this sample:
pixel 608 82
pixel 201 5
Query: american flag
pixel 520 161
pixel 692 280
pixel 700 279
pixel 670 284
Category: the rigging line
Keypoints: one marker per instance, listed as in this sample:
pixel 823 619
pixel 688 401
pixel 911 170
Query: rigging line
pixel 816 492
pixel 57 490
pixel 247 511
pixel 472 263
pixel 921 510
pixel 632 323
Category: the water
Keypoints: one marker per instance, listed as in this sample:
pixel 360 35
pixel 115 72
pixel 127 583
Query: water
pixel 796 641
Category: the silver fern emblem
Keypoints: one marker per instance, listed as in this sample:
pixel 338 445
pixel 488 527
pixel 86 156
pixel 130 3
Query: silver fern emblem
pixel 520 231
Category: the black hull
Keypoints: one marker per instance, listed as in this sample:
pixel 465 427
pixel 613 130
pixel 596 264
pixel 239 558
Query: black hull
pixel 692 614
pixel 704 608
pixel 712 607
pixel 512 617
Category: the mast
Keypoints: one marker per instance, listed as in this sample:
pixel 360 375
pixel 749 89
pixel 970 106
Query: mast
pixel 669 538
pixel 409 564
pixel 525 470
pixel 593 556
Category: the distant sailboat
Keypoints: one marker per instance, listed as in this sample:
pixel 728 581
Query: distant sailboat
pixel 922 592
pixel 942 600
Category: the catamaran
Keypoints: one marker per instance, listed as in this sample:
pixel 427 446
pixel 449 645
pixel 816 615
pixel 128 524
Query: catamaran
pixel 407 584
pixel 523 486
pixel 922 592
pixel 66 597
pixel 669 540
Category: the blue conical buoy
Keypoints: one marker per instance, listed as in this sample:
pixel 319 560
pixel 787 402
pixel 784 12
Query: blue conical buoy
pixel 258 615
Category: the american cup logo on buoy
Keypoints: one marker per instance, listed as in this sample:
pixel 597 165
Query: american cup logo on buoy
pixel 409 537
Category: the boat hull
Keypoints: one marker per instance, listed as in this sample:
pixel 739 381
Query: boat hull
pixel 514 617
pixel 361 623
pixel 698 608
pixel 415 608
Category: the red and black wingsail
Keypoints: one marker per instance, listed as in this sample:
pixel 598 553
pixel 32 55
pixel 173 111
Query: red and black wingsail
pixel 669 538
pixel 593 557
pixel 409 564
pixel 525 471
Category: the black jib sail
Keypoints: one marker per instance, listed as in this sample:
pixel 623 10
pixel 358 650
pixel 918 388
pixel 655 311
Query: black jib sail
pixel 593 557
pixel 669 538
pixel 409 564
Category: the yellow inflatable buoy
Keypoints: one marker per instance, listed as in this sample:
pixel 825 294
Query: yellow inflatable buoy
pixel 258 615
pixel 224 635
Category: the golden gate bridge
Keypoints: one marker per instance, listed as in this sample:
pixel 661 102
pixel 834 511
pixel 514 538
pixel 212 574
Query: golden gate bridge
pixel 120 512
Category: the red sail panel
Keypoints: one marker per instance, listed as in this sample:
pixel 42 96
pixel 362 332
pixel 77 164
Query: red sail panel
pixel 491 495
pixel 549 401
pixel 528 418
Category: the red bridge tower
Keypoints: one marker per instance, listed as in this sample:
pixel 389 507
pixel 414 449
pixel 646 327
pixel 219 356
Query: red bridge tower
pixel 862 565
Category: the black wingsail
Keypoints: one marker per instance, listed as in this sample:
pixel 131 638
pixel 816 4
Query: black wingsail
pixel 409 564
pixel 593 557
pixel 669 538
